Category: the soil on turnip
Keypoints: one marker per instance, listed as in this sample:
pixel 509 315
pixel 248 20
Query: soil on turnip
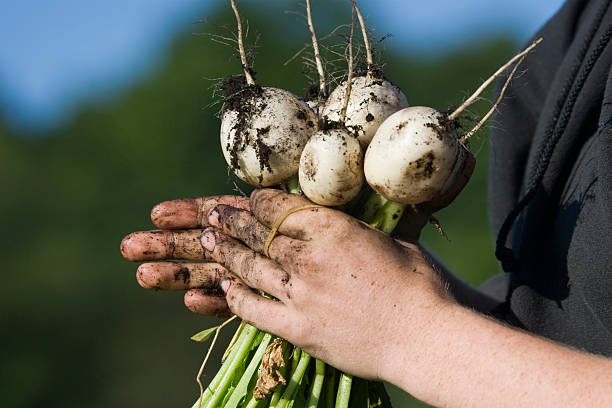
pixel 248 102
pixel 424 166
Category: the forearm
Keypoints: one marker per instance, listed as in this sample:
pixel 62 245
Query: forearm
pixel 464 293
pixel 464 359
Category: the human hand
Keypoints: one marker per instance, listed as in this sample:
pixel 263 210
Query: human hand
pixel 347 294
pixel 178 239
pixel 343 287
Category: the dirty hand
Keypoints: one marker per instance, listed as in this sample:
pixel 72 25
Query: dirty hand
pixel 347 294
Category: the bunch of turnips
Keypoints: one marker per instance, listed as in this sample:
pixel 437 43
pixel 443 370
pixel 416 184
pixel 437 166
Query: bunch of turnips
pixel 359 148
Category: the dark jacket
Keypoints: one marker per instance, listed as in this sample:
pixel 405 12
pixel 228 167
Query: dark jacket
pixel 550 184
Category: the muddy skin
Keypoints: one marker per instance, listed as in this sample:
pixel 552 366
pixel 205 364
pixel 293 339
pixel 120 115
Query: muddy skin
pixel 214 287
pixel 162 244
pixel 184 275
pixel 213 291
pixel 242 224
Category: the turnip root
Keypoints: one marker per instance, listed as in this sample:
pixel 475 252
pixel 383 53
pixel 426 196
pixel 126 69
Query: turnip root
pixel 331 167
pixel 263 129
pixel 263 133
pixel 412 155
pixel 416 153
pixel 372 99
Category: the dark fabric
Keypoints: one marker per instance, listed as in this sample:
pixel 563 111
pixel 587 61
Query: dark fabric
pixel 550 183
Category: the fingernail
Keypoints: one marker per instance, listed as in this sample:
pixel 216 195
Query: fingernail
pixel 213 217
pixel 225 284
pixel 207 239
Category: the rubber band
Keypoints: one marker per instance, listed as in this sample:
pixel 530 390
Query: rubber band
pixel 279 221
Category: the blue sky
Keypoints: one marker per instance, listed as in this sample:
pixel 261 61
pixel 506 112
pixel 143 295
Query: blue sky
pixel 56 55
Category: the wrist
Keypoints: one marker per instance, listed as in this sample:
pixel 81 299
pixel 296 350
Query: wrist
pixel 422 324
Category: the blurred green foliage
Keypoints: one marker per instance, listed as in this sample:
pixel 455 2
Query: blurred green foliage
pixel 77 329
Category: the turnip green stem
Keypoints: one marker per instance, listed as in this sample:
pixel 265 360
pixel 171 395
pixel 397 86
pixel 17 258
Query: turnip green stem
pixel 294 381
pixel 253 403
pixel 387 218
pixel 330 388
pixel 233 341
pixel 371 207
pixel 344 391
pixel 293 186
pixel 295 359
pixel 317 384
pixel 242 386
pixel 219 376
pixel 242 350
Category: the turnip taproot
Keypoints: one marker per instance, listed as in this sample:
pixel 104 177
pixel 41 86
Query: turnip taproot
pixel 416 152
pixel 331 165
pixel 372 98
pixel 263 129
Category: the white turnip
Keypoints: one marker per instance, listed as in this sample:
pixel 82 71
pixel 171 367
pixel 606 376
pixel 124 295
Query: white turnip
pixel 372 98
pixel 263 129
pixel 416 153
pixel 331 165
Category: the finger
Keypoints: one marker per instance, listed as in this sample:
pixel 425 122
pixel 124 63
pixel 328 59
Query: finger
pixel 254 269
pixel 265 314
pixel 201 302
pixel 269 205
pixel 242 225
pixel 191 212
pixel 163 244
pixel 180 275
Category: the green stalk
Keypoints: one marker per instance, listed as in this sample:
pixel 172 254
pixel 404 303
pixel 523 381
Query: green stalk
pixel 371 207
pixel 344 391
pixel 298 395
pixel 295 359
pixel 294 381
pixel 253 403
pixel 387 217
pixel 330 388
pixel 293 186
pixel 242 351
pixel 221 373
pixel 317 384
pixel 242 386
